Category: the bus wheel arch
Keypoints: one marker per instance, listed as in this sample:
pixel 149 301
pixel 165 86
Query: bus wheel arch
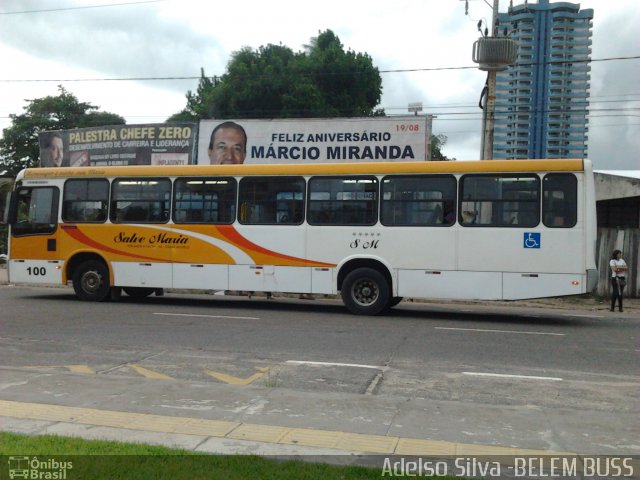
pixel 90 276
pixel 393 301
pixel 365 286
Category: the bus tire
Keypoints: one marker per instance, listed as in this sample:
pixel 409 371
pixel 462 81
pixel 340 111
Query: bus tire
pixel 91 281
pixel 138 292
pixel 365 291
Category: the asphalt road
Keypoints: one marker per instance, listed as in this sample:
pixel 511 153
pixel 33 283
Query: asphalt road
pixel 422 349
pixel 576 362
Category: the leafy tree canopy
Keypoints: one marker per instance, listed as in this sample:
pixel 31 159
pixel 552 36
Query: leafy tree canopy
pixel 275 82
pixel 19 145
pixel 437 143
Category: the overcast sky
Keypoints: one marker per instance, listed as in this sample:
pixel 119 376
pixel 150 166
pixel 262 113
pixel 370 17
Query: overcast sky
pixel 175 38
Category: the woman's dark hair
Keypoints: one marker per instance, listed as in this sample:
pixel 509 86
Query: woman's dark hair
pixel 615 253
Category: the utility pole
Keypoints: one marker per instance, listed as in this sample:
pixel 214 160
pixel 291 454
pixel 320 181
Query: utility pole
pixel 492 54
pixel 488 116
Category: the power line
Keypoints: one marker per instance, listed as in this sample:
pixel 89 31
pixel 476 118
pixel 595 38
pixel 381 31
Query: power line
pixel 406 70
pixel 473 106
pixel 81 7
pixel 574 104
pixel 527 64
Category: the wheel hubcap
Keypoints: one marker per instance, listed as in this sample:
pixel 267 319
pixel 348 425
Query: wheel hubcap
pixel 91 282
pixel 365 292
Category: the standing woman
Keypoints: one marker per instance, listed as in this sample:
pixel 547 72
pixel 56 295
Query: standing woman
pixel 618 278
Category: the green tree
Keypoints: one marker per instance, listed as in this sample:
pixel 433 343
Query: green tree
pixel 275 82
pixel 348 82
pixel 437 143
pixel 19 144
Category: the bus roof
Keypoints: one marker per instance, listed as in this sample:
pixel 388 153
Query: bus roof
pixel 484 166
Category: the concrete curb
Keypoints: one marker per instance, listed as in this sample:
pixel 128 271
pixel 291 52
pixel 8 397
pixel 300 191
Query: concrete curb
pixel 227 436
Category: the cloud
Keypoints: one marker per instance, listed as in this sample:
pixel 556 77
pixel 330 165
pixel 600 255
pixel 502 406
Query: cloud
pixel 127 41
pixel 614 120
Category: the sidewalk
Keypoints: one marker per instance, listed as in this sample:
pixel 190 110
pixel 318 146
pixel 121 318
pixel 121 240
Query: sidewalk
pixel 228 419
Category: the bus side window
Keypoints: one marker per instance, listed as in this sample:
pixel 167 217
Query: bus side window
pixel 350 200
pixel 468 213
pixel 418 200
pixel 204 200
pixel 141 200
pixel 559 200
pixel 136 213
pixel 503 200
pixel 271 200
pixel 85 200
pixel 100 215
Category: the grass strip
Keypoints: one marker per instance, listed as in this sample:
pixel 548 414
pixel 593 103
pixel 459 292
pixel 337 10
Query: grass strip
pixel 99 459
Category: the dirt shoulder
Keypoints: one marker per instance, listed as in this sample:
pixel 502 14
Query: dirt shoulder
pixel 587 303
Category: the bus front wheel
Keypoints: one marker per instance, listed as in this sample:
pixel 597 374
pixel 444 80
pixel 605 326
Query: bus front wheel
pixel 365 291
pixel 91 281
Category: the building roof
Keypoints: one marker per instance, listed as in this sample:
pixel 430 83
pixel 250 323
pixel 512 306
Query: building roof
pixel 621 173
pixel 617 184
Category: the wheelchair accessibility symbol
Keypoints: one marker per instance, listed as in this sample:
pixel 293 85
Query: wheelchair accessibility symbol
pixel 531 240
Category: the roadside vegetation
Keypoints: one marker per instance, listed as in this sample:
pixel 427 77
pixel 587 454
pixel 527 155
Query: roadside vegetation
pixel 98 459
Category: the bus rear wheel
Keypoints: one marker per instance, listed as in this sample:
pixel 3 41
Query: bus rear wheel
pixel 91 281
pixel 365 291
pixel 138 292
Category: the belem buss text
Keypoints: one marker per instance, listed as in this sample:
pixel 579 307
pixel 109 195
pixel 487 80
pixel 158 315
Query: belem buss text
pixel 530 467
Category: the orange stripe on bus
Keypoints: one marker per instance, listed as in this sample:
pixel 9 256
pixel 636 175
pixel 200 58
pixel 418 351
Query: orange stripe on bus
pixel 78 235
pixel 230 233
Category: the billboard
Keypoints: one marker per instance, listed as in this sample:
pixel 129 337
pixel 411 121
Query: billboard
pixel 148 144
pixel 372 139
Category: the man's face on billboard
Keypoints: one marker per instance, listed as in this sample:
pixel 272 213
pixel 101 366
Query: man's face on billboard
pixel 54 153
pixel 228 147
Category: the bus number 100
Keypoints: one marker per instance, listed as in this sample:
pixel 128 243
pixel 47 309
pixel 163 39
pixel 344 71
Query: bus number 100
pixel 37 271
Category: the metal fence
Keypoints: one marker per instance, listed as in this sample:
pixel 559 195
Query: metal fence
pixel 627 240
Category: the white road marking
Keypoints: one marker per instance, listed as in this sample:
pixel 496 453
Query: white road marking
pixel 206 316
pixel 500 331
pixel 332 364
pixel 503 375
pixel 584 315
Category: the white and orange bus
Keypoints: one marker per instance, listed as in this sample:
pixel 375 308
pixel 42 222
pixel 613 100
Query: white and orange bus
pixel 372 232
